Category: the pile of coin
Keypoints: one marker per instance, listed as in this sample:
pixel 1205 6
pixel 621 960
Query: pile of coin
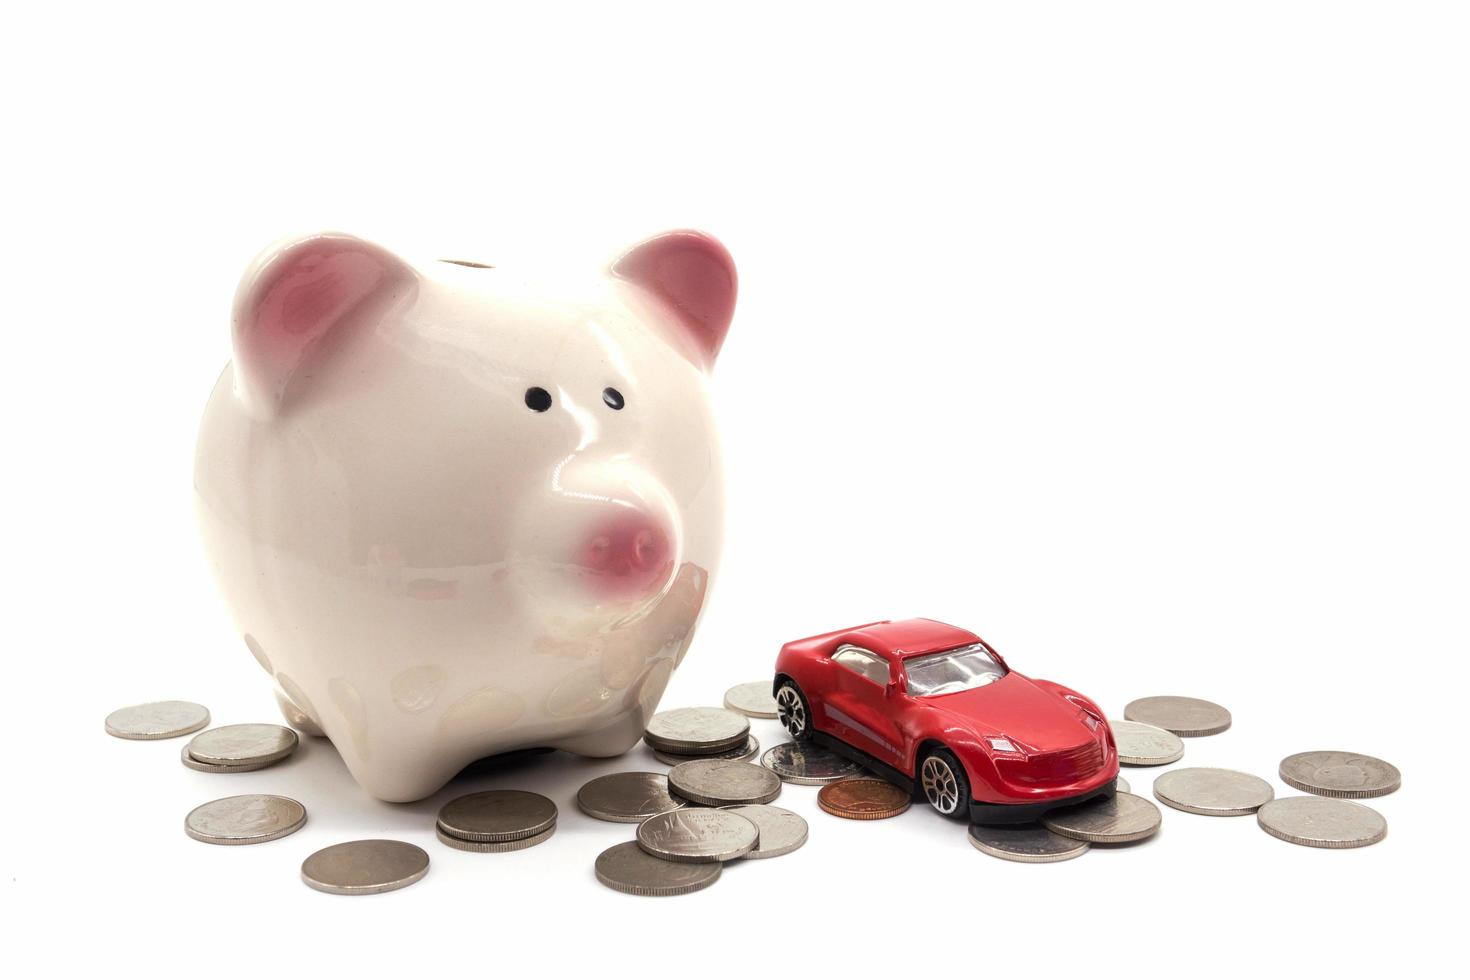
pixel 713 807
pixel 496 820
pixel 239 748
pixel 684 734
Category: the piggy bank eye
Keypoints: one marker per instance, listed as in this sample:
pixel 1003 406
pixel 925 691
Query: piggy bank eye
pixel 538 399
pixel 612 398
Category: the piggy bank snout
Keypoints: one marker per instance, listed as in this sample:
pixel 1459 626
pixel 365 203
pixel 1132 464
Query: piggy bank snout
pixel 629 554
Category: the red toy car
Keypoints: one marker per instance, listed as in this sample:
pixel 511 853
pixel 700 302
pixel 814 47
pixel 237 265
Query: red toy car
pixel 934 709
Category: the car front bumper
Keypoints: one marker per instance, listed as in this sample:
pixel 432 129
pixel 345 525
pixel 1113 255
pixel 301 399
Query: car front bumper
pixel 1010 813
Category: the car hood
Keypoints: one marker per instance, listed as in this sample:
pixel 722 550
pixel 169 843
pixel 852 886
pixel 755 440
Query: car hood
pixel 1016 707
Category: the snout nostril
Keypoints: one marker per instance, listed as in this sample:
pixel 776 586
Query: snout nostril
pixel 626 555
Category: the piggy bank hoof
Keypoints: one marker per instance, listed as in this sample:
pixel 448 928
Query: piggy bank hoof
pixel 297 718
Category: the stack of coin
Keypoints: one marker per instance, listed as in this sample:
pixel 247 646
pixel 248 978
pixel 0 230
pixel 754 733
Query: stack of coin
pixel 239 748
pixel 496 820
pixel 721 782
pixel 700 733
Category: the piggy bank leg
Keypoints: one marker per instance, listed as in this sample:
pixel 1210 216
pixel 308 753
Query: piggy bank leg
pixel 297 718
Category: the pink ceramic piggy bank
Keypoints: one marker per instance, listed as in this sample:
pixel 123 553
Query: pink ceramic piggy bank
pixel 456 512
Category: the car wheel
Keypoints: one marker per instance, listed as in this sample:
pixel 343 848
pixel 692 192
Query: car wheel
pixel 944 783
pixel 793 712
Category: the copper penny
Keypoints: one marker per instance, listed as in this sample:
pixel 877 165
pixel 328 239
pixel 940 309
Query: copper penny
pixel 863 799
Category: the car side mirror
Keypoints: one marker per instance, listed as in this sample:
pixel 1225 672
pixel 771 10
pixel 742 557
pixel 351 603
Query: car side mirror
pixel 892 689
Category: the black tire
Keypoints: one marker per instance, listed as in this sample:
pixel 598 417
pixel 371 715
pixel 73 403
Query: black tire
pixel 793 711
pixel 942 781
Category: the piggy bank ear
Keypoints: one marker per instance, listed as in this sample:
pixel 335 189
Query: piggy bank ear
pixel 297 295
pixel 693 275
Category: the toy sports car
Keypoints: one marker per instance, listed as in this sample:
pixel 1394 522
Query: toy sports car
pixel 934 709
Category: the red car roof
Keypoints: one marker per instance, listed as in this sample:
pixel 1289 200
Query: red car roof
pixel 911 637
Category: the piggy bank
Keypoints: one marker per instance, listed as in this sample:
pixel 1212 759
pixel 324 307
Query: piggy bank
pixel 455 511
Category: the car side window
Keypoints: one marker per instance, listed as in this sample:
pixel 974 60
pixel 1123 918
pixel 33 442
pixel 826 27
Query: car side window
pixel 863 663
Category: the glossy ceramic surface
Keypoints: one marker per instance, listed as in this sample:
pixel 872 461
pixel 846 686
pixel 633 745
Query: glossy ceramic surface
pixel 456 511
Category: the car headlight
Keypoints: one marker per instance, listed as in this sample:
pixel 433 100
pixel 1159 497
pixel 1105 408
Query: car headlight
pixel 1091 721
pixel 1002 744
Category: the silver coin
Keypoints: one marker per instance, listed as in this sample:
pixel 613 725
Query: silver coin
pixel 1315 821
pixel 1213 792
pixel 1122 786
pixel 1146 745
pixel 158 719
pixel 697 835
pixel 626 867
pixel 721 782
pixel 252 819
pixel 198 766
pixel 806 764
pixel 1341 774
pixel 497 815
pixel 781 831
pixel 494 846
pixel 365 867
pixel 696 731
pixel 1119 820
pixel 753 700
pixel 1188 717
pixel 627 797
pixel 1027 843
pixel 237 745
pixel 737 754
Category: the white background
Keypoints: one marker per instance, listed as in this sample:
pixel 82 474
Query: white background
pixel 1132 336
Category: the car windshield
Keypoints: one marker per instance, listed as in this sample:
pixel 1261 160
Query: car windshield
pixel 953 670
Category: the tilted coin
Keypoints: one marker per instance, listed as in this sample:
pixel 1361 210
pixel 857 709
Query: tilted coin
pixel 198 766
pixel 753 700
pixel 494 846
pixel 806 764
pixel 738 754
pixel 1145 745
pixel 1213 792
pixel 1122 786
pixel 721 782
pixel 863 799
pixel 252 819
pixel 497 815
pixel 696 731
pixel 365 867
pixel 627 797
pixel 781 831
pixel 235 745
pixel 626 867
pixel 1119 820
pixel 1342 774
pixel 158 719
pixel 1027 843
pixel 1188 717
pixel 698 835
pixel 1316 821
